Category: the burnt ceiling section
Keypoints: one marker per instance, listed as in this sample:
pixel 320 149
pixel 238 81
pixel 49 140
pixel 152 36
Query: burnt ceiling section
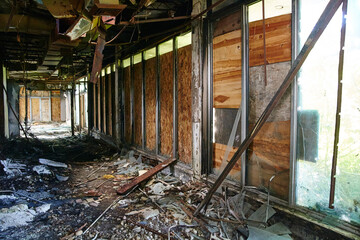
pixel 55 41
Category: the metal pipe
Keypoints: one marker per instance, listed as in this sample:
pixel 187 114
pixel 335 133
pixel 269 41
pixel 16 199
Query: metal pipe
pixel 294 102
pixel 244 85
pixel 320 26
pixel 154 20
pixel 157 92
pixel 175 99
pixel 338 108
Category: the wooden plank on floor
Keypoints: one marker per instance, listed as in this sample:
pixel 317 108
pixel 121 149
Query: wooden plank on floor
pixel 125 188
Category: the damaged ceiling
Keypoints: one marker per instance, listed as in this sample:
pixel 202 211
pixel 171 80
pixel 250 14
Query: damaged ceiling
pixel 55 41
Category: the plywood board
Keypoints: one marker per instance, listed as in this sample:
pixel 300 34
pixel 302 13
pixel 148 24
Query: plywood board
pixel 150 103
pixel 218 156
pixel 108 105
pixel 21 109
pixel 269 154
pixel 127 84
pixel 166 103
pixel 278 40
pixel 35 109
pixel 98 105
pixel 45 110
pixel 56 109
pixel 227 70
pixel 184 105
pixel 94 104
pixel 103 104
pixel 138 103
pixel 227 24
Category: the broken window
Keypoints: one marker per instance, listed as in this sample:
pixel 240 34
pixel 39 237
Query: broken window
pixel 226 92
pixel 317 102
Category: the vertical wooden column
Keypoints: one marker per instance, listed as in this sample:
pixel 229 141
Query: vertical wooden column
pixel 197 87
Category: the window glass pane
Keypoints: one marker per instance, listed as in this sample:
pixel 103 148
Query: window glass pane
pixel 184 40
pixel 137 58
pixel 151 53
pixel 166 47
pixel 273 8
pixel 347 190
pixel 126 62
pixel 318 84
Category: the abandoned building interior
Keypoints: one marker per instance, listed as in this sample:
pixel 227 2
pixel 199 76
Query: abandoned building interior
pixel 179 119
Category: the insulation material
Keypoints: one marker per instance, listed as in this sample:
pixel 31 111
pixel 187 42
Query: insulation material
pixel 150 103
pixel 35 109
pixel 166 102
pixel 127 84
pixel 184 105
pixel 278 40
pixel 227 70
pixel 269 154
pixel 137 103
pixel 108 105
pixel 56 109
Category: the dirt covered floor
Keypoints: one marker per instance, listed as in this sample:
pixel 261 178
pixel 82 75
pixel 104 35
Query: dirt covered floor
pixel 66 188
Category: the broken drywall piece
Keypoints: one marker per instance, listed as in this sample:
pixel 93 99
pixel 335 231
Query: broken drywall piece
pixel 259 234
pixel 52 163
pixel 42 170
pixel 279 229
pixel 263 213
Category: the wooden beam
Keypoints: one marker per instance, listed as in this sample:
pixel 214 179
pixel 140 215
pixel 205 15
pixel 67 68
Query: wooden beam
pixel 125 188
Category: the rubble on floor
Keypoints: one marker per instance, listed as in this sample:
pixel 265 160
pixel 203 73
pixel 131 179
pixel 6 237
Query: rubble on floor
pixel 66 189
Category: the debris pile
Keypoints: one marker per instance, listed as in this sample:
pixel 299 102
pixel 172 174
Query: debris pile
pixel 78 188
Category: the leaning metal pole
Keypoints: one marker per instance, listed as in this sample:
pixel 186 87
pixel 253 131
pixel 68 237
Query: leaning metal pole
pixel 338 107
pixel 319 28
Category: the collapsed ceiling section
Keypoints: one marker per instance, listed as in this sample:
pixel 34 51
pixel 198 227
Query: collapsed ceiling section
pixel 56 41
